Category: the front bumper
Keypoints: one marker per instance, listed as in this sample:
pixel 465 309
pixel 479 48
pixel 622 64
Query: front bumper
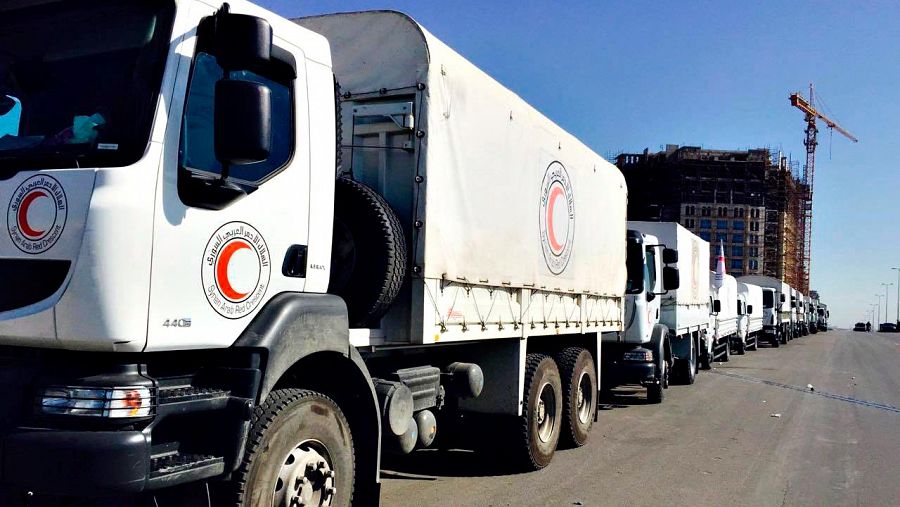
pixel 629 372
pixel 73 462
pixel 196 431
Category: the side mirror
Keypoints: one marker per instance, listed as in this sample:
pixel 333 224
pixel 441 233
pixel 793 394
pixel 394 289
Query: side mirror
pixel 669 256
pixel 243 122
pixel 241 41
pixel 671 278
pixel 750 309
pixel 634 265
pixel 782 298
pixel 717 306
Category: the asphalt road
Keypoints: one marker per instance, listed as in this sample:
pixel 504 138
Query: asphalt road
pixel 713 443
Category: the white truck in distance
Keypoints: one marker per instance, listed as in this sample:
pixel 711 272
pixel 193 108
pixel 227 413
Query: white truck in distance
pixel 823 317
pixel 777 323
pixel 724 317
pixel 812 313
pixel 209 293
pixel 666 310
pixel 750 323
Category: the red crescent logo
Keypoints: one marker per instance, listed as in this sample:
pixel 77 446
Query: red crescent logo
pixel 551 234
pixel 23 214
pixel 222 270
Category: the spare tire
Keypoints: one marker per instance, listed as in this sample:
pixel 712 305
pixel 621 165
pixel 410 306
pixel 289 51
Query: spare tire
pixel 368 253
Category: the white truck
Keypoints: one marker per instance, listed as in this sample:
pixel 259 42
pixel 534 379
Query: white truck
pixel 798 313
pixel 812 313
pixel 201 291
pixel 823 317
pixel 750 323
pixel 666 310
pixel 724 317
pixel 777 323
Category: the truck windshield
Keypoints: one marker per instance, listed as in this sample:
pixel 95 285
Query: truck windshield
pixel 768 299
pixel 79 81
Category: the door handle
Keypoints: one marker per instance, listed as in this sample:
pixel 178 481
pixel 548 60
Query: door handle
pixel 295 262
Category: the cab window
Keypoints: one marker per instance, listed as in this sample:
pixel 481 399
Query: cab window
pixel 197 138
pixel 768 299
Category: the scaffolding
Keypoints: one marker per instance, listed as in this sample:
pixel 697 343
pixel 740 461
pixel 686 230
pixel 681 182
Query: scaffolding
pixel 787 202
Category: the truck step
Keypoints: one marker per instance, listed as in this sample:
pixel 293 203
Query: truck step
pixel 176 468
pixel 183 399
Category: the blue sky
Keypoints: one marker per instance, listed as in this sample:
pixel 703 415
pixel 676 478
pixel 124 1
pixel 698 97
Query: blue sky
pixel 624 76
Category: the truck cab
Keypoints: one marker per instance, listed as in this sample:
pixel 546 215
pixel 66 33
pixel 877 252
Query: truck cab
pixel 642 354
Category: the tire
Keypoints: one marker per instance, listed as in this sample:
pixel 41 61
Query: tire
pixel 685 370
pixel 539 429
pixel 741 348
pixel 368 256
pixel 755 345
pixel 726 355
pixel 579 388
pixel 776 342
pixel 656 393
pixel 707 359
pixel 291 428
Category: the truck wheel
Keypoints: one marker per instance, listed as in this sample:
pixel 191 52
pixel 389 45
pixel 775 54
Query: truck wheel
pixel 542 416
pixel 368 254
pixel 299 452
pixel 686 369
pixel 726 354
pixel 579 388
pixel 776 342
pixel 741 347
pixel 707 359
pixel 755 345
pixel 656 392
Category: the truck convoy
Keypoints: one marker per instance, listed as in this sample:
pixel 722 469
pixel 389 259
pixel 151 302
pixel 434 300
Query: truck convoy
pixel 206 290
pixel 249 253
pixel 666 310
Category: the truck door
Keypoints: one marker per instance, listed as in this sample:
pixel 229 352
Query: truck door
pixel 220 251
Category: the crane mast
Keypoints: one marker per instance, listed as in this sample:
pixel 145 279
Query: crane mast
pixel 806 191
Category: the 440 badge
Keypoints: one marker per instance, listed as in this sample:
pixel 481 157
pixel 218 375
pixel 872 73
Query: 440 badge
pixel 37 214
pixel 236 269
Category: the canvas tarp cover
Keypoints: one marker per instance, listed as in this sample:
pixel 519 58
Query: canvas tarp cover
pixel 511 198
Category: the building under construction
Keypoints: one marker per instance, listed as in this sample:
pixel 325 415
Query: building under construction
pixel 750 202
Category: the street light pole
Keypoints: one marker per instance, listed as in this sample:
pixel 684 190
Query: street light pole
pixel 879 296
pixel 898 295
pixel 886 304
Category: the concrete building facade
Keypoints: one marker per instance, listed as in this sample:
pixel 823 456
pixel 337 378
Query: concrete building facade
pixel 737 199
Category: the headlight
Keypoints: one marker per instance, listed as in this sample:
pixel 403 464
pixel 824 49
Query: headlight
pixel 113 402
pixel 639 354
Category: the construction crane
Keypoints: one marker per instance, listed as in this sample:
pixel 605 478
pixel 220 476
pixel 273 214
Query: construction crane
pixel 812 114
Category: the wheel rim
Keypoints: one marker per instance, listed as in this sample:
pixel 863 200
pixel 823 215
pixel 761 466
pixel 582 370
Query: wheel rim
pixel 545 412
pixel 585 398
pixel 307 477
